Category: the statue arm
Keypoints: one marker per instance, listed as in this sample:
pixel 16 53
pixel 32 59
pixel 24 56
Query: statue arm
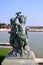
pixel 26 32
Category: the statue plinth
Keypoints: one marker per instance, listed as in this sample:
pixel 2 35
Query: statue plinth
pixel 20 60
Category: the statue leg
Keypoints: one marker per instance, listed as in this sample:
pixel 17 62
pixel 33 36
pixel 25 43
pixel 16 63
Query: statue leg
pixel 21 52
pixel 26 46
pixel 11 41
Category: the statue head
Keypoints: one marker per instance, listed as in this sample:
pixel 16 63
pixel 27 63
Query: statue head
pixel 22 19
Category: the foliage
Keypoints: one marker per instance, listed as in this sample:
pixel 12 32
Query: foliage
pixel 3 52
pixel 3 25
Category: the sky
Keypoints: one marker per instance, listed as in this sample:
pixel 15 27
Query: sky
pixel 32 9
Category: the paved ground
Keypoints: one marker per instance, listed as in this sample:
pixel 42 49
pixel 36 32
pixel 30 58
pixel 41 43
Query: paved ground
pixel 5 47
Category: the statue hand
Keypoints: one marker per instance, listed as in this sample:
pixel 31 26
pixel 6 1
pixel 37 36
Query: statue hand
pixel 17 16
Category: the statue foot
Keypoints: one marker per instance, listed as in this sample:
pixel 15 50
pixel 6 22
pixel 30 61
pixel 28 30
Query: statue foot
pixel 14 54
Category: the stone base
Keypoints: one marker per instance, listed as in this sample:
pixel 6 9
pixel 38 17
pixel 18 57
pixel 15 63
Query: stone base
pixel 20 60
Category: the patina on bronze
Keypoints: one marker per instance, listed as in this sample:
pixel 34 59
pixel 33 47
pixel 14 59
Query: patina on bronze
pixel 18 34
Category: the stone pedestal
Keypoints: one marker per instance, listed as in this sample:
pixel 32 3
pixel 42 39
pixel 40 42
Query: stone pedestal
pixel 23 61
pixel 20 60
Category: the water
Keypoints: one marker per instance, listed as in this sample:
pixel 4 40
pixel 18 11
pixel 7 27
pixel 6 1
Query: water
pixel 4 37
pixel 35 41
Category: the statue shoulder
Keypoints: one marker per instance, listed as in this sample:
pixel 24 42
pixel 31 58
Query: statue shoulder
pixel 13 18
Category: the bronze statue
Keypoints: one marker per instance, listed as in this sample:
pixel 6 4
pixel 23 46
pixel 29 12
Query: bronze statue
pixel 18 37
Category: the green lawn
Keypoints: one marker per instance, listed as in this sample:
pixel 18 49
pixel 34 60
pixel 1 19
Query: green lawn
pixel 3 52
